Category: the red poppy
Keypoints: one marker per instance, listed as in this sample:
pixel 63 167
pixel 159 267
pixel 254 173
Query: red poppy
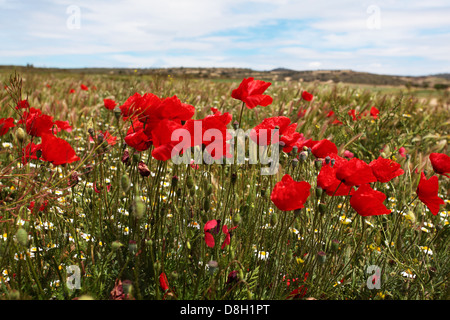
pixel 162 139
pixel 23 104
pixel 264 133
pixel 355 115
pixel 212 133
pixel 56 150
pixel 84 87
pixel 227 233
pixel 138 140
pixel 209 239
pixel 374 112
pixel 355 172
pixel 402 152
pixel 427 191
pixel 368 202
pixel 327 178
pixel 307 96
pixel 5 125
pixel 348 154
pixel 163 282
pixel 109 104
pixel 250 91
pixel 38 124
pixel 288 195
pixel 440 163
pixel 323 148
pixel 72 91
pixel 110 139
pixel 62 125
pixel 30 152
pixel 385 169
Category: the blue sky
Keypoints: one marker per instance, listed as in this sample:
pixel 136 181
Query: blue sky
pixel 385 37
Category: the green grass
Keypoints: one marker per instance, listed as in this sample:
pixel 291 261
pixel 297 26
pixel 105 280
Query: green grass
pixel 101 234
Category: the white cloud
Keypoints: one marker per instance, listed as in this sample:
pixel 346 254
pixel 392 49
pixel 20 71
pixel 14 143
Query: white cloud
pixel 294 34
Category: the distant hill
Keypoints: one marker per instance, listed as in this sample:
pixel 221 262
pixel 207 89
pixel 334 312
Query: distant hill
pixel 278 74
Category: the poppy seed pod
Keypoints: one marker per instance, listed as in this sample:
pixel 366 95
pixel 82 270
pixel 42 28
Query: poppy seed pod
pixel 117 112
pixel 213 265
pixel 335 245
pixel 125 182
pixel 190 182
pixel 294 162
pixel 22 236
pixel 303 155
pixel 321 257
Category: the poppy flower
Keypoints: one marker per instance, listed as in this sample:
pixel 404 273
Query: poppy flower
pixel 211 132
pixel 440 163
pixel 374 112
pixel 209 239
pixel 56 150
pixel 385 169
pixel 227 233
pixel 30 152
pixel 62 125
pixel 355 172
pixel 84 87
pixel 110 139
pixel 427 191
pixel 5 125
pixel 163 282
pixel 288 195
pixel 264 133
pixel 327 180
pixel 250 91
pixel 23 104
pixel 368 202
pixel 354 114
pixel 402 152
pixel 162 139
pixel 36 122
pixel 137 138
pixel 307 96
pixel 72 91
pixel 109 104
pixel 348 154
pixel 323 148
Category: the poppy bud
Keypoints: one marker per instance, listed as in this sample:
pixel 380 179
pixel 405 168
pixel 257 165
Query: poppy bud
pixel 206 205
pixel 117 112
pixel 208 191
pixel 321 257
pixel 273 219
pixel 20 134
pixel 125 182
pixel 22 236
pixel 319 192
pixel 136 156
pixel 138 208
pixel 143 169
pixel 190 182
pixel 116 245
pixel 126 157
pixel 237 218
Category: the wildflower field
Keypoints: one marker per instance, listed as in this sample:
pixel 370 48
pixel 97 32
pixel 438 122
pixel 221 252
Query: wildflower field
pixel 333 192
